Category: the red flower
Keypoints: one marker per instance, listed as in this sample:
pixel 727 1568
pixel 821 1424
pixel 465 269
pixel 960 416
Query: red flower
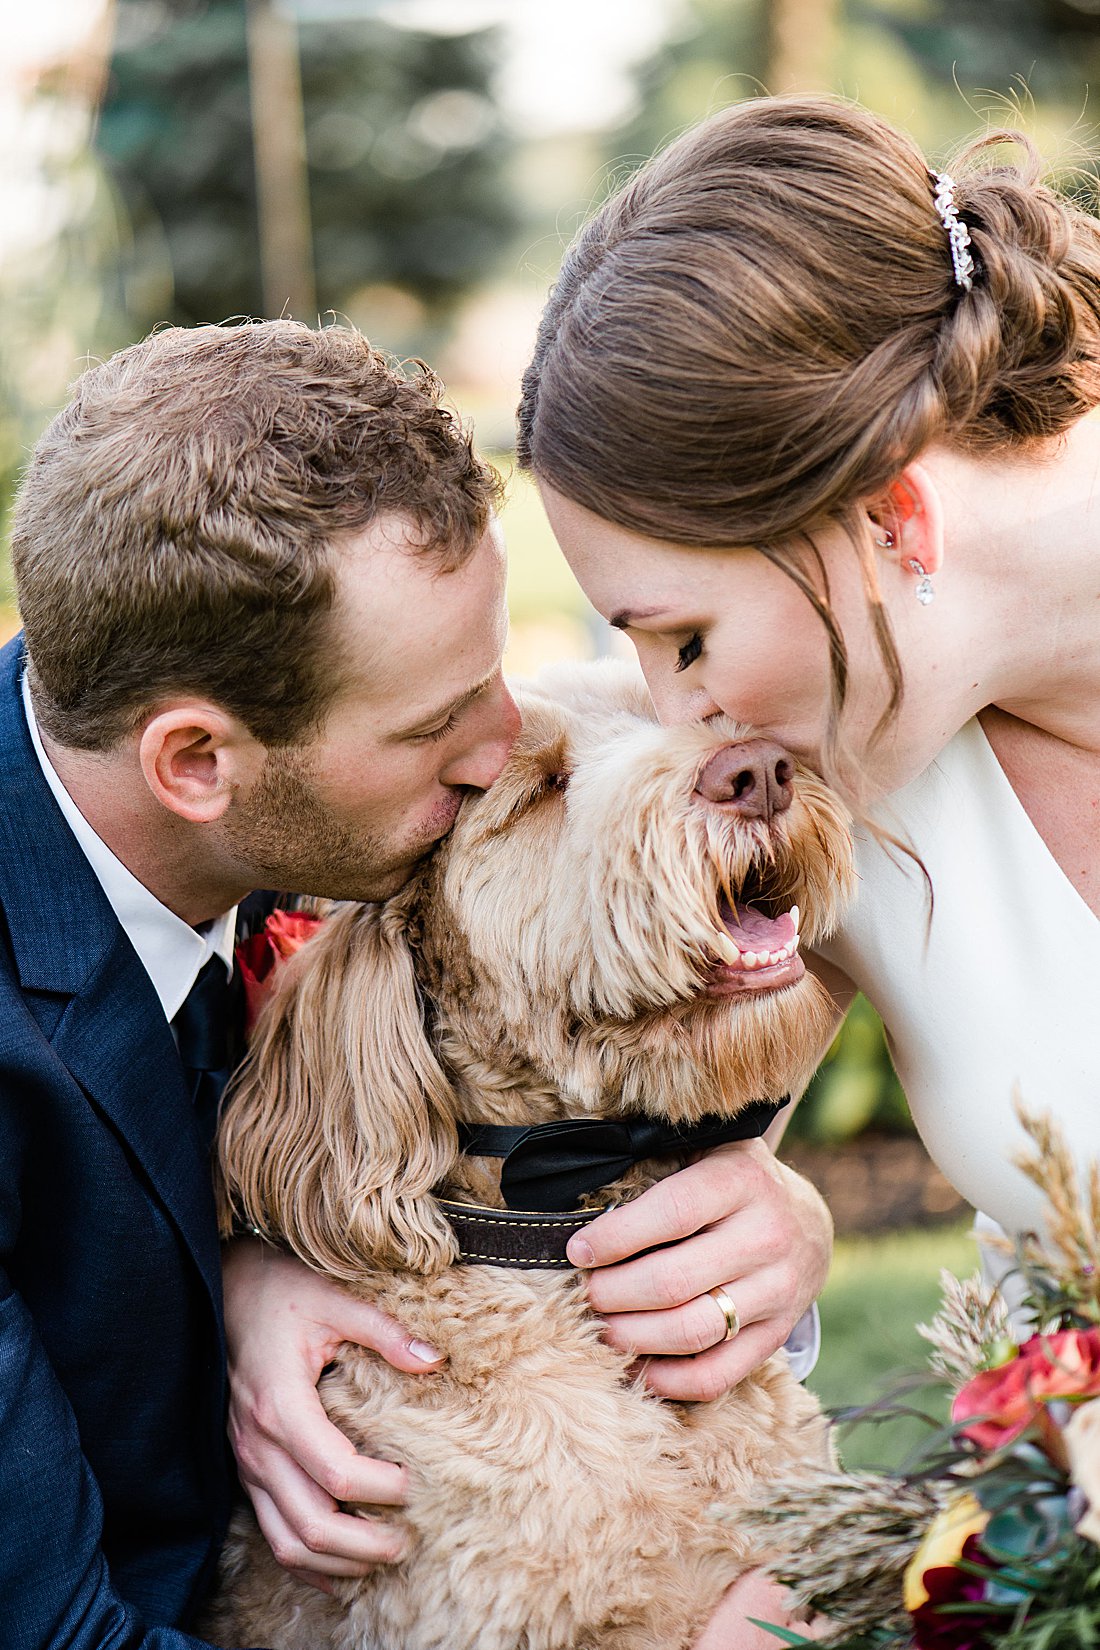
pixel 934 1626
pixel 1013 1396
pixel 259 956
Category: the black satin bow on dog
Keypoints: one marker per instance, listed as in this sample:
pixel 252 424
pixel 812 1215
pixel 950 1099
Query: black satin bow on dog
pixel 552 1165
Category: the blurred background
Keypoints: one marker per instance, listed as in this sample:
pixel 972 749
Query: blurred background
pixel 416 167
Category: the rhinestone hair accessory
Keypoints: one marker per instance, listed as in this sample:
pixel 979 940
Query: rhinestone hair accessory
pixel 957 233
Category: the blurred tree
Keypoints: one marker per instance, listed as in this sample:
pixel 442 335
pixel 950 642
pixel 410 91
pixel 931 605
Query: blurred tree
pixel 855 1088
pixel 1050 47
pixel 407 155
pixel 716 52
pixel 721 50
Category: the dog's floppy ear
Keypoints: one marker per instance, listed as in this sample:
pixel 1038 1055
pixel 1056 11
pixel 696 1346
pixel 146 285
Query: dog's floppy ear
pixel 342 1120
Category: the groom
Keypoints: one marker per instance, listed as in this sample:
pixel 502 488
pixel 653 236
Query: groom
pixel 263 606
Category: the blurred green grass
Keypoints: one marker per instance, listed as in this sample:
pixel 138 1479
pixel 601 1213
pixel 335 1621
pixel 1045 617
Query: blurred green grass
pixel 879 1289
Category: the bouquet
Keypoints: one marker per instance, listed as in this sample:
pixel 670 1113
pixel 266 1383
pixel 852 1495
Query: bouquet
pixel 991 1536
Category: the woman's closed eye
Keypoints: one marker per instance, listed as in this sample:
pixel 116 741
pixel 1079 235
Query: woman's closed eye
pixel 690 651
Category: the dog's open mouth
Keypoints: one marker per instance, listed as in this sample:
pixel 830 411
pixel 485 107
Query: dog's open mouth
pixel 766 940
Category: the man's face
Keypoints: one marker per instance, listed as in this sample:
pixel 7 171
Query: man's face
pixel 420 716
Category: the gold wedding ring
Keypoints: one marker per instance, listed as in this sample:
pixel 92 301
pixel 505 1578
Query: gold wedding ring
pixel 729 1312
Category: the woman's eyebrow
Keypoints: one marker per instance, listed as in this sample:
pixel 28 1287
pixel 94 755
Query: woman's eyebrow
pixel 628 616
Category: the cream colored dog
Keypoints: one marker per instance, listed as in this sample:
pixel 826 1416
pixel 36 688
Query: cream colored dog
pixel 608 930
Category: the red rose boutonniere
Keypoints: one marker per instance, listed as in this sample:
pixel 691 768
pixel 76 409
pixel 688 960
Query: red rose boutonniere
pixel 259 956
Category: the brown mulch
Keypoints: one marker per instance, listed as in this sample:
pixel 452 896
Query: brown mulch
pixel 878 1183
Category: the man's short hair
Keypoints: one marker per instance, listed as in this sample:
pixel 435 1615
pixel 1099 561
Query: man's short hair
pixel 174 529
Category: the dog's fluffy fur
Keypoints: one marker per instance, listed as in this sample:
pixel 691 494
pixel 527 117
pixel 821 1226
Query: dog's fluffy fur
pixel 549 961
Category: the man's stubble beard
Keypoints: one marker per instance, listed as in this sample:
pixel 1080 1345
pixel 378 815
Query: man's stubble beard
pixel 290 841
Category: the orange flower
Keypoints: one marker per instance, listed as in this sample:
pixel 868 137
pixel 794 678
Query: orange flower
pixel 1065 1365
pixel 260 955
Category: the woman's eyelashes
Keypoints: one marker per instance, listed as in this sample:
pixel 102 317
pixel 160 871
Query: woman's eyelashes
pixel 690 651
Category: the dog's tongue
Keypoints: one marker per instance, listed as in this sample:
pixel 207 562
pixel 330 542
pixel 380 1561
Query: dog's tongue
pixel 751 930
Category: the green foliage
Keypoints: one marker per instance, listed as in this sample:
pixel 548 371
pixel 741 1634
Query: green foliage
pixel 1045 45
pixel 856 1087
pixel 715 54
pixel 878 1290
pixel 407 156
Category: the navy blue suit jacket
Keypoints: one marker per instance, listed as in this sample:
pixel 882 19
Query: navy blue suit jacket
pixel 115 1482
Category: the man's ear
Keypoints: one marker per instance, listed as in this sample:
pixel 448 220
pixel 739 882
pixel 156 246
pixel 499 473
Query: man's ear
pixel 195 756
pixel 910 517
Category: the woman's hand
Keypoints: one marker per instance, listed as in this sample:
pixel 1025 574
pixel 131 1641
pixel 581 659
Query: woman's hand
pixel 738 1220
pixel 284 1323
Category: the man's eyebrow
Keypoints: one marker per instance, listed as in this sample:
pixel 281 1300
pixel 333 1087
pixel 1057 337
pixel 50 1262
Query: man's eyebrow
pixel 453 707
pixel 624 620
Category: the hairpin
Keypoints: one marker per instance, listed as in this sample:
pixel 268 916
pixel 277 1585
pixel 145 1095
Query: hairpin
pixel 957 233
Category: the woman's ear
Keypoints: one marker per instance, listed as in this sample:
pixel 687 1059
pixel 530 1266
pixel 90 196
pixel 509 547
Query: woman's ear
pixel 908 520
pixel 342 1121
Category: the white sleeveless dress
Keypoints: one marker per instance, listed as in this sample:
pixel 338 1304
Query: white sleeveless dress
pixel 1001 993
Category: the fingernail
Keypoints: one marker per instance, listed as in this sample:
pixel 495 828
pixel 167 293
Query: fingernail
pixel 427 1354
pixel 579 1252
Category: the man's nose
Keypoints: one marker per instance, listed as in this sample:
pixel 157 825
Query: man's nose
pixel 494 734
pixel 754 779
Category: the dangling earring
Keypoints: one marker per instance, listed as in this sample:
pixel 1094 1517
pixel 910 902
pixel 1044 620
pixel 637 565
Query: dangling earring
pixel 924 591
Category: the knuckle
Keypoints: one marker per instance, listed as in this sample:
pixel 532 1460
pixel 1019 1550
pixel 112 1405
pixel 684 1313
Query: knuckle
pixel 712 1382
pixel 671 1286
pixel 692 1332
pixel 287 1553
pixel 788 1283
pixel 248 1460
pixel 312 1535
pixel 261 1416
pixel 683 1203
pixel 337 1481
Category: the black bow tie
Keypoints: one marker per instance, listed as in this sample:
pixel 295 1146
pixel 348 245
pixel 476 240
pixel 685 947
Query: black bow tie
pixel 552 1165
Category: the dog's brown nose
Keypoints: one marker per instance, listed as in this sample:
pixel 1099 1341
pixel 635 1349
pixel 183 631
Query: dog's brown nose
pixel 754 779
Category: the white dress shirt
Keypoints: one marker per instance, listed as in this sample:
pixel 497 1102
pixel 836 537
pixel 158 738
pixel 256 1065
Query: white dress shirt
pixel 171 951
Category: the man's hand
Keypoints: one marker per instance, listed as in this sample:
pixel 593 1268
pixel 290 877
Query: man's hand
pixel 737 1220
pixel 754 1598
pixel 284 1323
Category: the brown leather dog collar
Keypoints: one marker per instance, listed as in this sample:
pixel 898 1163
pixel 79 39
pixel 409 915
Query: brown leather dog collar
pixel 526 1238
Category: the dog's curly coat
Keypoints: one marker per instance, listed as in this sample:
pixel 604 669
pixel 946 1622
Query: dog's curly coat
pixel 552 959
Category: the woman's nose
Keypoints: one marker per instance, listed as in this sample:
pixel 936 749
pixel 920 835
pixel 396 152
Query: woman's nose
pixel 754 779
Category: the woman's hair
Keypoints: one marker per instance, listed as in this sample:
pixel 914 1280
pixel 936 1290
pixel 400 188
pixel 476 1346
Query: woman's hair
pixel 176 529
pixel 762 328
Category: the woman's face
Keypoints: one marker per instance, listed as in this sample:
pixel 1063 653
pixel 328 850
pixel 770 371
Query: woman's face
pixel 726 630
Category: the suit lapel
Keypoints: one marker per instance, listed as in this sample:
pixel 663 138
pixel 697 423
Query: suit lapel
pixel 111 1035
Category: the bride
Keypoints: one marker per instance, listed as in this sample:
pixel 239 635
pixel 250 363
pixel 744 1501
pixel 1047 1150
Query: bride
pixel 811 425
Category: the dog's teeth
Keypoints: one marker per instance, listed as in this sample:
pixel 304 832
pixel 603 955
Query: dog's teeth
pixel 750 959
pixel 795 914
